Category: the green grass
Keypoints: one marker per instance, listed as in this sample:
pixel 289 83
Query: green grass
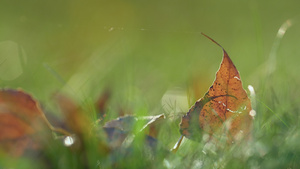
pixel 141 50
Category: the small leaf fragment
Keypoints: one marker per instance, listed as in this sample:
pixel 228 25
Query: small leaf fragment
pixel 126 123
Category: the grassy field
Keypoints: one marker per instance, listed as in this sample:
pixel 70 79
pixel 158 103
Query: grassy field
pixel 153 59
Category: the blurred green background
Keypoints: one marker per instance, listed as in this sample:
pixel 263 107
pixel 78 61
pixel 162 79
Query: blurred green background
pixel 138 48
pixel 142 49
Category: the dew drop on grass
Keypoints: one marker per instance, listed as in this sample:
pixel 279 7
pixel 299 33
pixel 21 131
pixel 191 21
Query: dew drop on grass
pixel 252 113
pixel 68 141
pixel 251 89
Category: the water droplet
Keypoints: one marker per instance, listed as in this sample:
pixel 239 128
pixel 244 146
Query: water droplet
pixel 251 89
pixel 252 113
pixel 68 141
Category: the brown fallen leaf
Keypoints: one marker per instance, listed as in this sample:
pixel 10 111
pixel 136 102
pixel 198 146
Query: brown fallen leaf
pixel 114 136
pixel 122 139
pixel 20 119
pixel 224 109
pixel 153 124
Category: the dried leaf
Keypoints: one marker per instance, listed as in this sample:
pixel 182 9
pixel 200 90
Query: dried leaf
pixel 115 137
pixel 127 123
pixel 121 129
pixel 153 124
pixel 124 123
pixel 20 118
pixel 224 109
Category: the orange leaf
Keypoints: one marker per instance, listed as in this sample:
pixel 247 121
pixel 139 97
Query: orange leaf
pixel 224 109
pixel 20 118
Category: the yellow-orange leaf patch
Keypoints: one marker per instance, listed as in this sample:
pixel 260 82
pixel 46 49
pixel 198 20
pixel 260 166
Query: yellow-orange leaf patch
pixel 224 109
